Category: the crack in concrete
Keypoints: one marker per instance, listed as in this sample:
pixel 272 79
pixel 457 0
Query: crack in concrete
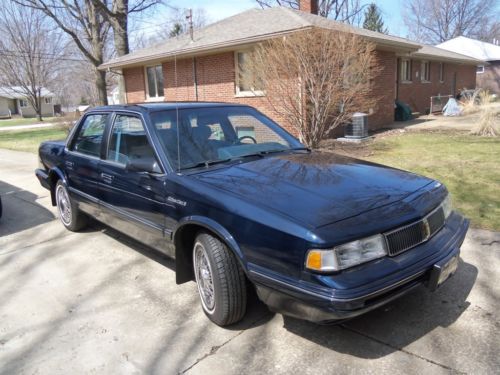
pixel 401 349
pixel 490 243
pixel 36 244
pixel 215 348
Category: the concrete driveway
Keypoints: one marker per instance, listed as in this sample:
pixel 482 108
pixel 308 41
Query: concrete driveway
pixel 99 303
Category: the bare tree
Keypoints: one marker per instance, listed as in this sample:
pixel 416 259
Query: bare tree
pixel 435 21
pixel 85 25
pixel 117 14
pixel 314 79
pixel 177 24
pixel 348 11
pixel 31 52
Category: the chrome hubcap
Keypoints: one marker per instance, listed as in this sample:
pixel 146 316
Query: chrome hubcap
pixel 64 205
pixel 204 278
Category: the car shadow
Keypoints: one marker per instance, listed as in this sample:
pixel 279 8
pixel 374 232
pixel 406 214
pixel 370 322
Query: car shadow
pixel 20 211
pixel 257 312
pixel 396 324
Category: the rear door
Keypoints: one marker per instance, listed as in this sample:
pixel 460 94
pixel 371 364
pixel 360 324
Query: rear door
pixel 82 161
pixel 133 200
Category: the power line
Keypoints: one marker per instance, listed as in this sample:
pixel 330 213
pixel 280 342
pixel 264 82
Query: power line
pixel 6 53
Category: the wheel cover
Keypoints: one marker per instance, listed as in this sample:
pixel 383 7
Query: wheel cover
pixel 204 277
pixel 64 205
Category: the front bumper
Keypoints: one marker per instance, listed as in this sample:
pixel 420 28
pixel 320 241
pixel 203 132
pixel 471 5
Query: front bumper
pixel 305 301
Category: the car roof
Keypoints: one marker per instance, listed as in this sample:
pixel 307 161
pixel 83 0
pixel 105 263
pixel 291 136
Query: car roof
pixel 163 106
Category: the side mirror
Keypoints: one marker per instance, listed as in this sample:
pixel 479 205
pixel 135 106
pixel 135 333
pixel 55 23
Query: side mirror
pixel 149 165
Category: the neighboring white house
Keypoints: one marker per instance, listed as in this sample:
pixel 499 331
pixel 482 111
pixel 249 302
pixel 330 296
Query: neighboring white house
pixel 488 74
pixel 13 101
pixel 114 96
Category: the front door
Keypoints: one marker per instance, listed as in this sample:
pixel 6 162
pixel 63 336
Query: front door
pixel 132 183
pixel 82 162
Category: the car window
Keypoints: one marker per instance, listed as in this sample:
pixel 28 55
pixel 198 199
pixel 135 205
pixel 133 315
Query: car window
pixel 250 129
pixel 128 141
pixel 89 138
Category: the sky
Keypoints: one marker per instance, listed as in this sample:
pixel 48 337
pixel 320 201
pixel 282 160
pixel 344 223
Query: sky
pixel 219 9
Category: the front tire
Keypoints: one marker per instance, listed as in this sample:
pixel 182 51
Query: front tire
pixel 220 280
pixel 71 217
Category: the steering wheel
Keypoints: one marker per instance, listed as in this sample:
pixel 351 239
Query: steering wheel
pixel 246 136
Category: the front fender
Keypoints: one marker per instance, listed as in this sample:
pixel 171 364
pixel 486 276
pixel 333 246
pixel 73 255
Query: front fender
pixel 182 257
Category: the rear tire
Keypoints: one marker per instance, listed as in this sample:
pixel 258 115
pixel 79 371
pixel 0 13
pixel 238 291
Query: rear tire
pixel 220 279
pixel 69 214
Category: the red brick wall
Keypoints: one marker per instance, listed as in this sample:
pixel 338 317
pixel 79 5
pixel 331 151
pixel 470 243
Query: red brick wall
pixel 384 90
pixel 417 93
pixel 135 84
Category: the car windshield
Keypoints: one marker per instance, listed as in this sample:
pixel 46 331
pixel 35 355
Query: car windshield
pixel 204 136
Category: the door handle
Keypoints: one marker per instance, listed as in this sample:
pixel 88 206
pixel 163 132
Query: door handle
pixel 107 178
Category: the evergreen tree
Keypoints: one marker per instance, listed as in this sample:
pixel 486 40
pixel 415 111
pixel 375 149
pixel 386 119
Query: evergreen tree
pixel 373 19
pixel 176 30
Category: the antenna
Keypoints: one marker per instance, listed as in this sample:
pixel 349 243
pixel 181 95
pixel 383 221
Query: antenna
pixel 177 117
pixel 189 17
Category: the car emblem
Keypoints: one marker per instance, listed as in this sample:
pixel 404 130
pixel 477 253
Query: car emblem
pixel 426 231
pixel 176 201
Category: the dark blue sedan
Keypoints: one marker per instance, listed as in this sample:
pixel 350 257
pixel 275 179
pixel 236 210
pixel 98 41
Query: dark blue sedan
pixel 240 203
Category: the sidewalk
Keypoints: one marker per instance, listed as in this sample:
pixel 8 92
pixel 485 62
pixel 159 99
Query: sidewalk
pixel 27 127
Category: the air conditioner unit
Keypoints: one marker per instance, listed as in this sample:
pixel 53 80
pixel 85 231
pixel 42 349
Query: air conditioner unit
pixel 358 127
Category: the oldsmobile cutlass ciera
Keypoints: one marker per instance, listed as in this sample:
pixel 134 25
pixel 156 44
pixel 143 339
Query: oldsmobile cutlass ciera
pixel 240 203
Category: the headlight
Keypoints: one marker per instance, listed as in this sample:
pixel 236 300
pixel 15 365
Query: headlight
pixel 447 206
pixel 347 255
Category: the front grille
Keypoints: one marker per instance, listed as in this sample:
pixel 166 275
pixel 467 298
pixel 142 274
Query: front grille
pixel 411 235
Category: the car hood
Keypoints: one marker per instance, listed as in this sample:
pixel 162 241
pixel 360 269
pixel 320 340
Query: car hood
pixel 314 189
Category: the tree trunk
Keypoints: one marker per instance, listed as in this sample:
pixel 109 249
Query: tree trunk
pixel 120 31
pixel 101 87
pixel 38 108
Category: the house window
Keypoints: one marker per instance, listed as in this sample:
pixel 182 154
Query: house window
pixel 425 72
pixel 246 82
pixel 480 69
pixel 405 70
pixel 154 82
pixel 48 100
pixel 441 72
pixel 23 103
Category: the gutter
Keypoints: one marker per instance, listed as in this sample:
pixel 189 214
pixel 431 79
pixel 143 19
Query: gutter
pixel 449 59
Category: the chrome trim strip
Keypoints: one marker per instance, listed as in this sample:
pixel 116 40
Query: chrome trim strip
pixel 85 195
pixel 122 212
pixel 333 299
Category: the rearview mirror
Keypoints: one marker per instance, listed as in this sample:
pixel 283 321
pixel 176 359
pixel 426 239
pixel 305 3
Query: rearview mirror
pixel 149 165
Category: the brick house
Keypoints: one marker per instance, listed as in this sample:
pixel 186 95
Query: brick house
pixel 488 72
pixel 207 67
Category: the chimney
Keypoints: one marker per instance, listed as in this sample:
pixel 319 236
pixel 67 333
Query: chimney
pixel 309 6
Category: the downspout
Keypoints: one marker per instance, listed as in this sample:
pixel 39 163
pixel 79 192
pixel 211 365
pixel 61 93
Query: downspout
pixel 398 64
pixel 195 79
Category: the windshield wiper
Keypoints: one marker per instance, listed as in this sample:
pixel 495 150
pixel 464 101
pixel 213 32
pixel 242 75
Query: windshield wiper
pixel 206 164
pixel 300 149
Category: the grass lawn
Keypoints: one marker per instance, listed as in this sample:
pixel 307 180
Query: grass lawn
pixel 25 121
pixel 467 165
pixel 29 140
